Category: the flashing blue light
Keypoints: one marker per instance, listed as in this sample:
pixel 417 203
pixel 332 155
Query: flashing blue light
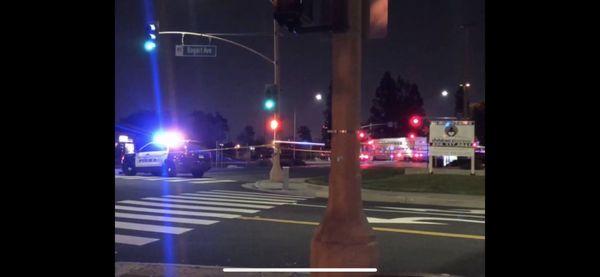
pixel 169 139
pixel 149 45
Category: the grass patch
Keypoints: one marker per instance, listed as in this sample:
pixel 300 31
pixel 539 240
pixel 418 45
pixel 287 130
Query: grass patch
pixel 393 179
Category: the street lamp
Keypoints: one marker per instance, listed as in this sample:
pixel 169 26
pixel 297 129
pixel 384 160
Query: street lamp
pixel 444 93
pixel 318 97
pixel 468 85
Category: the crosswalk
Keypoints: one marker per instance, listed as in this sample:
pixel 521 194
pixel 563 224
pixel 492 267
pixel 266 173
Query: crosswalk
pixel 204 180
pixel 180 213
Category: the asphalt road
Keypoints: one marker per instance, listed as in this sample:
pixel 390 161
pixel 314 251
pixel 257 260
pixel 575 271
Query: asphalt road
pixel 214 221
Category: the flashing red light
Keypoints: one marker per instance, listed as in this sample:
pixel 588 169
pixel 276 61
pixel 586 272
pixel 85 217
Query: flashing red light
pixel 412 135
pixel 274 124
pixel 370 142
pixel 416 121
pixel 361 135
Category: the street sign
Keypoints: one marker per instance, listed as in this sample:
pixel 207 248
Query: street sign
pixel 196 51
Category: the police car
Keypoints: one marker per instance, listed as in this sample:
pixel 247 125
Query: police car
pixel 163 159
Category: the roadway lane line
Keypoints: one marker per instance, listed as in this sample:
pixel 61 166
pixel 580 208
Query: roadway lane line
pixel 258 194
pixel 151 228
pixel 430 210
pixel 166 218
pixel 165 211
pixel 237 197
pixel 224 200
pixel 396 211
pixel 257 197
pixel 211 182
pixel 405 231
pixel 189 207
pixel 133 240
pixel 129 177
pixel 209 203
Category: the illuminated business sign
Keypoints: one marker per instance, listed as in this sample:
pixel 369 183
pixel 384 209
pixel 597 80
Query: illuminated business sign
pixel 452 138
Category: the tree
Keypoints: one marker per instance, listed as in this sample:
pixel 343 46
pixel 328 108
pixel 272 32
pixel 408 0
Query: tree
pixel 395 102
pixel 304 134
pixel 478 115
pixel 207 128
pixel 325 136
pixel 246 137
pixel 141 125
pixel 385 107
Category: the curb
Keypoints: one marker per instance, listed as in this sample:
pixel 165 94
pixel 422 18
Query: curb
pixel 298 187
pixel 134 269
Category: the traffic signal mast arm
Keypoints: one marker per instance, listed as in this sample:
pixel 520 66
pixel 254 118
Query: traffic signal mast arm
pixel 217 38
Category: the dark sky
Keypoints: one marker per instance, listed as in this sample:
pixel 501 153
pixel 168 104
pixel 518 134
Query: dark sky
pixel 424 45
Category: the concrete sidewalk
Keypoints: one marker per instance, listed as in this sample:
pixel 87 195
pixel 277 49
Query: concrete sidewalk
pixel 299 187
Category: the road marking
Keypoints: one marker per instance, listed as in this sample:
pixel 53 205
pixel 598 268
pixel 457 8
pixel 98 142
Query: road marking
pixel 429 233
pixel 166 218
pixel 133 240
pixel 406 231
pixel 437 210
pixel 418 220
pixel 150 228
pixel 164 211
pixel 395 211
pixel 274 197
pixel 129 177
pixel 178 180
pixel 190 207
pixel 258 193
pixel 209 203
pixel 215 181
pixel 237 197
pixel 224 200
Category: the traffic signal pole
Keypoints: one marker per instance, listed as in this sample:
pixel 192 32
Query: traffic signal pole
pixel 344 237
pixel 276 173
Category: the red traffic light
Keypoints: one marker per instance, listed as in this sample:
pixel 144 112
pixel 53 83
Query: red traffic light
pixel 416 121
pixel 274 124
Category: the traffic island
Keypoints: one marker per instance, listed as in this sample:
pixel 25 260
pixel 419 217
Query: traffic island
pixel 300 187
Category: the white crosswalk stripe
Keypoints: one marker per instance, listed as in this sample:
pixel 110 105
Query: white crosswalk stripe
pixel 165 218
pixel 188 209
pixel 209 203
pixel 259 193
pixel 224 200
pixel 165 211
pixel 204 180
pixel 213 181
pixel 240 193
pixel 133 240
pixel 238 197
pixel 150 228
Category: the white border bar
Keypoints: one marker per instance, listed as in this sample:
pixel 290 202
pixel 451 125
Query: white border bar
pixel 305 269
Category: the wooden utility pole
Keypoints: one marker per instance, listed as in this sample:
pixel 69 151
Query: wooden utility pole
pixel 344 237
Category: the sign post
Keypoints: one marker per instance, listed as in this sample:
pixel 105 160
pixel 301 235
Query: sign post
pixel 196 51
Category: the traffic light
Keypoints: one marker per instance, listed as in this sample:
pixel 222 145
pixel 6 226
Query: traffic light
pixel 306 16
pixel 151 41
pixel 274 124
pixel 271 97
pixel 416 121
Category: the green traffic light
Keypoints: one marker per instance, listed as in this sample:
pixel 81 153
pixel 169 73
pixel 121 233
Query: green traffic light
pixel 269 104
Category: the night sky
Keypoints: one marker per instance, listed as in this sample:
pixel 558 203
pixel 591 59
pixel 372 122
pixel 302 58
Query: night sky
pixel 424 45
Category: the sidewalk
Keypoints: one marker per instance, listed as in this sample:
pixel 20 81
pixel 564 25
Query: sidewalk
pixel 299 187
pixel 131 269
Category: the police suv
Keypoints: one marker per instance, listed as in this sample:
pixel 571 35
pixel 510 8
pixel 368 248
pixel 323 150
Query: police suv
pixel 162 160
